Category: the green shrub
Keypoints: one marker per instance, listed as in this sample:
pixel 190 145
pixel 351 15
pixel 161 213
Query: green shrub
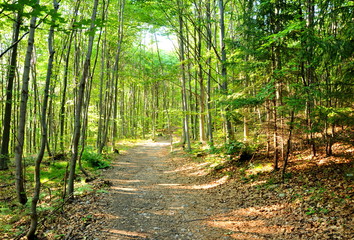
pixel 94 159
pixel 244 150
pixel 233 148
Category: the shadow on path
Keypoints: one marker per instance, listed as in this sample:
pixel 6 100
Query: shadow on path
pixel 149 200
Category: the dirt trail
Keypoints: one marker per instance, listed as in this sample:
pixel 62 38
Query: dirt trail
pixel 150 199
pixel 158 196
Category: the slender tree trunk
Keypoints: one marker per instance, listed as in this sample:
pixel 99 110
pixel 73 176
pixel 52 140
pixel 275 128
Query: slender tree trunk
pixel 288 146
pixel 4 154
pixel 102 104
pixel 224 82
pixel 277 66
pixel 202 135
pixel 183 77
pixel 20 188
pixel 116 67
pixel 34 215
pixel 310 73
pixel 65 81
pixel 79 104
pixel 209 48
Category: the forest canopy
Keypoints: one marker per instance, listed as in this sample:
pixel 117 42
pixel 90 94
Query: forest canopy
pixel 268 75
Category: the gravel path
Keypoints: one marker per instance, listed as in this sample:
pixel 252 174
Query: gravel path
pixel 149 199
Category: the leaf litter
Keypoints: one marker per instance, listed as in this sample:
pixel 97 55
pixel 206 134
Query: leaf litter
pixel 162 199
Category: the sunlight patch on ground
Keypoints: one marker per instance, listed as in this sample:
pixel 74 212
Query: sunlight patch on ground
pixel 256 183
pixel 123 163
pixel 181 169
pixel 251 223
pixel 212 184
pixel 260 168
pixel 127 233
pixel 157 144
pixel 192 169
pixel 125 189
pixel 169 184
pixel 199 187
pixel 126 181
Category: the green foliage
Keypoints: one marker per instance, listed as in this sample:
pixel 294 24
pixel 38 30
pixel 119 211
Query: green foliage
pixel 84 189
pixel 214 150
pixel 94 160
pixel 242 149
pixel 233 147
pixel 316 210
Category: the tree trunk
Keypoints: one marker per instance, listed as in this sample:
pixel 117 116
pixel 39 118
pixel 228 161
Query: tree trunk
pixel 202 135
pixel 79 104
pixel 20 188
pixel 288 146
pixel 65 81
pixel 116 72
pixel 224 82
pixel 209 48
pixel 4 154
pixel 183 77
pixel 34 215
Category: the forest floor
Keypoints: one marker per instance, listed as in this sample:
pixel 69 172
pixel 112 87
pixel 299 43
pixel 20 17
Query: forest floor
pixel 159 195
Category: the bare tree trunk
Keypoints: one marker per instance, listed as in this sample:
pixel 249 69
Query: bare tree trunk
pixel 20 188
pixel 100 143
pixel 224 82
pixel 79 104
pixel 34 216
pixel 209 47
pixel 288 146
pixel 4 154
pixel 65 81
pixel 198 47
pixel 116 66
pixel 183 77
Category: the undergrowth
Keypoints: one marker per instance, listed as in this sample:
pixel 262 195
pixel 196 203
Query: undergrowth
pixel 14 217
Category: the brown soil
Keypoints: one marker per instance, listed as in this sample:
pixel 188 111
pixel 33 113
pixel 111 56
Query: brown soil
pixel 151 199
pixel 160 196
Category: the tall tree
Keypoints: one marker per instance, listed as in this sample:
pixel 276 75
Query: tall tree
pixel 209 45
pixel 121 9
pixel 20 187
pixel 65 77
pixel 79 103
pixel 37 173
pixel 4 154
pixel 186 137
pixel 223 77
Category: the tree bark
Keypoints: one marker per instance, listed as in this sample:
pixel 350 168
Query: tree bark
pixel 65 81
pixel 20 188
pixel 4 154
pixel 209 48
pixel 183 77
pixel 288 146
pixel 224 82
pixel 116 67
pixel 34 215
pixel 79 104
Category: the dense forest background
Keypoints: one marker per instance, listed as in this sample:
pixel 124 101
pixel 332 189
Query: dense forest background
pixel 244 76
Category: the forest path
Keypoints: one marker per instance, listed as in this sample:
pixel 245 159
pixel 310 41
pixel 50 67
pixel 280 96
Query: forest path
pixel 150 199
